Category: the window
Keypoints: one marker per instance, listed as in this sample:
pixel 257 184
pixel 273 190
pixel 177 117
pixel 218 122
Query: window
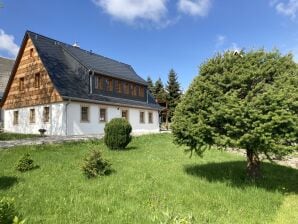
pixel 37 80
pixel 16 117
pixel 32 116
pixel 84 114
pixel 100 83
pixel 142 117
pixel 109 83
pixel 124 114
pixel 31 52
pixel 118 86
pixel 21 84
pixel 141 91
pixel 126 88
pixel 102 115
pixel 133 89
pixel 150 117
pixel 96 82
pixel 46 114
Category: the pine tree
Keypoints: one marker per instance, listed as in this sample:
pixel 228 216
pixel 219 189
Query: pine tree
pixel 159 91
pixel 174 92
pixel 246 101
pixel 150 84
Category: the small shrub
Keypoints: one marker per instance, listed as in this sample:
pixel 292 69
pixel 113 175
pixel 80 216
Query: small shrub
pixel 94 165
pixel 117 133
pixel 26 163
pixel 8 212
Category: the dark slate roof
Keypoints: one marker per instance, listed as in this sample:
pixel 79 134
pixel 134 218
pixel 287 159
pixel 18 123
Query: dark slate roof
pixel 69 67
pixel 6 66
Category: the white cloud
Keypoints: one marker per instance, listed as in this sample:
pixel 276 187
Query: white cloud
pixel 220 40
pixel 131 11
pixel 7 44
pixel 195 7
pixel 288 9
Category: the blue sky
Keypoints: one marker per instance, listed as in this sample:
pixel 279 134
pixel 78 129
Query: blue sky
pixel 155 35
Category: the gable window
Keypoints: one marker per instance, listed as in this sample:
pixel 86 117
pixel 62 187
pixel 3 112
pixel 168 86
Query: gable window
pixel 126 88
pixel 150 118
pixel 46 114
pixel 118 86
pixel 102 114
pixel 100 79
pixel 31 52
pixel 96 82
pixel 142 117
pixel 141 91
pixel 124 114
pixel 109 83
pixel 32 116
pixel 133 89
pixel 84 114
pixel 16 117
pixel 21 84
pixel 37 80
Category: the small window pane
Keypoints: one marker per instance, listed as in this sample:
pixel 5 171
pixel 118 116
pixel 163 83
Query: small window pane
pixel 16 117
pixel 142 119
pixel 150 117
pixel 124 114
pixel 84 113
pixel 21 84
pixel 32 116
pixel 46 114
pixel 37 80
pixel 102 115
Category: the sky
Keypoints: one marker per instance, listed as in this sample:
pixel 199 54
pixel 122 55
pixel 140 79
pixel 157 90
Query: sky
pixel 155 35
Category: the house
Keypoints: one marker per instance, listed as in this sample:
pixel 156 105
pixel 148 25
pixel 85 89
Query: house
pixel 5 70
pixel 70 91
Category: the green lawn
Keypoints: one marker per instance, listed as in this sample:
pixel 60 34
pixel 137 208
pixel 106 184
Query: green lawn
pixel 152 181
pixel 5 136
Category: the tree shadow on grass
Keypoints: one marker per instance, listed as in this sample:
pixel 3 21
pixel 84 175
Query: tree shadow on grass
pixel 7 182
pixel 275 177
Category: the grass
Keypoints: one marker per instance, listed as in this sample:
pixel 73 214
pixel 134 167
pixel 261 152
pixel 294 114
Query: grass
pixel 5 136
pixel 153 182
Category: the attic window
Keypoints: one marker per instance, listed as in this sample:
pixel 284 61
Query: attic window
pixel 21 84
pixel 37 80
pixel 31 52
pixel 126 88
pixel 141 91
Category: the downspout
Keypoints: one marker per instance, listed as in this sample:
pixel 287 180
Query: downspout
pixel 66 118
pixel 147 96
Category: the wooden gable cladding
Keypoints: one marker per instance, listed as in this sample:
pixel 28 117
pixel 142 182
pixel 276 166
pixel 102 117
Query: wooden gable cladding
pixel 23 90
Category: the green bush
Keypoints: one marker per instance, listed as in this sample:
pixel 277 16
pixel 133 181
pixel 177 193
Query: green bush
pixel 94 165
pixel 8 214
pixel 26 163
pixel 117 133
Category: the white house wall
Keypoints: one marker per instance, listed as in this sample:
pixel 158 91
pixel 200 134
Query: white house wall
pixel 55 126
pixel 76 127
pixel 65 119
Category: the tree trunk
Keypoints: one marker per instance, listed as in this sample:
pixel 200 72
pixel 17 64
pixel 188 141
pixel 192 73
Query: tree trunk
pixel 253 164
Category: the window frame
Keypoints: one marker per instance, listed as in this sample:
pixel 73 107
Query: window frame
pixel 105 116
pixel 37 80
pixel 88 114
pixel 48 115
pixel 142 118
pixel 150 121
pixel 127 114
pixel 21 83
pixel 15 120
pixel 32 116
